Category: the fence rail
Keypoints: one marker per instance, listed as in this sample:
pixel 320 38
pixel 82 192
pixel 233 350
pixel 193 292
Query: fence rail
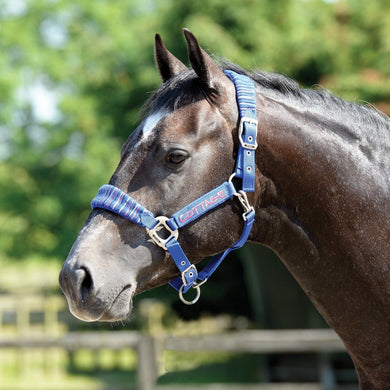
pixel 262 341
pixel 148 348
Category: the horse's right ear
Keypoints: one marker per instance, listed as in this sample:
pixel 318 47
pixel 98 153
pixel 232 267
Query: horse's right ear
pixel 167 64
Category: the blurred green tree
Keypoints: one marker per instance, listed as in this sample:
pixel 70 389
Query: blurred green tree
pixel 75 74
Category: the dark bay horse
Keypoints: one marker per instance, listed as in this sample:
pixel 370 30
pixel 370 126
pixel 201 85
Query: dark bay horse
pixel 321 200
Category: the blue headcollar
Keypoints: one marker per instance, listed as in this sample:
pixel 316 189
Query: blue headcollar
pixel 113 199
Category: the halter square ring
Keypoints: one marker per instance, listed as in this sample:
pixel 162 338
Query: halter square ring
pixel 162 224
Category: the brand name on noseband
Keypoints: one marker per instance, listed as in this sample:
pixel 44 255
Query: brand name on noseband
pixel 204 205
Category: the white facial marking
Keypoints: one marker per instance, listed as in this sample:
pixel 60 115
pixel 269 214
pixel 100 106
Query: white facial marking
pixel 151 122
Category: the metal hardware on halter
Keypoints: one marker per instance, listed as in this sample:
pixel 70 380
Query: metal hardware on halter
pixel 153 233
pixel 198 284
pixel 190 274
pixel 246 145
pixel 181 296
pixel 243 198
pixel 232 177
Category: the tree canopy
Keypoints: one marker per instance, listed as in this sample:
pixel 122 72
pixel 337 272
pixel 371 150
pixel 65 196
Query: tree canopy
pixel 74 75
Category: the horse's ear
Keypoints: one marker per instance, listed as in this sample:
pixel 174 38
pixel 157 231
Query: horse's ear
pixel 167 64
pixel 203 65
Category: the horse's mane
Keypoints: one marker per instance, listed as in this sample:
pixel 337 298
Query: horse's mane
pixel 283 85
pixel 353 122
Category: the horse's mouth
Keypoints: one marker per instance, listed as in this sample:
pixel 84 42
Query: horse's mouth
pixel 94 309
pixel 121 306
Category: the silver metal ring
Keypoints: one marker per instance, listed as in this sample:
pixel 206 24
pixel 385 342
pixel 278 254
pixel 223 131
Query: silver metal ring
pixel 194 300
pixel 232 176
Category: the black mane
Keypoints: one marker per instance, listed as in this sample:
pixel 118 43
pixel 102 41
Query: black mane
pixel 323 99
pixel 271 81
pixel 349 120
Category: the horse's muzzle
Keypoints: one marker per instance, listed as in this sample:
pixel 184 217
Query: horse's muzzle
pixel 90 301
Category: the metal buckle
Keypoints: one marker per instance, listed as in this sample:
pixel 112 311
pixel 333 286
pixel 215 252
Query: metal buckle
pixel 243 198
pixel 153 233
pixel 183 278
pixel 246 145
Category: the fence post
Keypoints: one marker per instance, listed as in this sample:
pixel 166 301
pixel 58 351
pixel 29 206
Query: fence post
pixel 327 374
pixel 147 365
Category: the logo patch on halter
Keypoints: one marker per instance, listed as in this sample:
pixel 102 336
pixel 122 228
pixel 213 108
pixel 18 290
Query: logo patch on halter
pixel 202 206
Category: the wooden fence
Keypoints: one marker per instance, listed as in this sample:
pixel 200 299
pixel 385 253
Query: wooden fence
pixel 32 323
pixel 148 349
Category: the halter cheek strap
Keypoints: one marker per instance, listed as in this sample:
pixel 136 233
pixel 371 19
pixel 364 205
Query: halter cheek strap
pixel 247 130
pixel 115 200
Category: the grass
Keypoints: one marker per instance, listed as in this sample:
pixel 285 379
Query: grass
pixel 101 370
pixel 56 370
pixel 205 368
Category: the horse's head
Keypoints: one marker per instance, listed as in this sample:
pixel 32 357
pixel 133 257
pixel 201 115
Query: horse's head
pixel 184 148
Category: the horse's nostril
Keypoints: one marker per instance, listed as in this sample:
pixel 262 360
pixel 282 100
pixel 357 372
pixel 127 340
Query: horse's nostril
pixel 86 284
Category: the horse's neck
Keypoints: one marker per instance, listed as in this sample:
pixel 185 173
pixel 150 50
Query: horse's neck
pixel 321 182
pixel 319 210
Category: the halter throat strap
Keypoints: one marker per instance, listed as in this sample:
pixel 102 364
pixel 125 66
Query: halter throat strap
pixel 115 200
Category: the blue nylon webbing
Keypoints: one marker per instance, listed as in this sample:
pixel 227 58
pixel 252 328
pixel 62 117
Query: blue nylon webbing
pixel 216 260
pixel 246 100
pixel 202 205
pixel 113 199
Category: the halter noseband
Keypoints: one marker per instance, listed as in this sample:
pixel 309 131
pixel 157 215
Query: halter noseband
pixel 115 200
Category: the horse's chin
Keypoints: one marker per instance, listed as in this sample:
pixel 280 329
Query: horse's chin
pixel 118 310
pixel 121 307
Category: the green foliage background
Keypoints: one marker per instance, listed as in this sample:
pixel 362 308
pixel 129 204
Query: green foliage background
pixel 94 61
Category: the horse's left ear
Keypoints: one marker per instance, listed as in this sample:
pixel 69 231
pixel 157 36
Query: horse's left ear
pixel 204 66
pixel 167 64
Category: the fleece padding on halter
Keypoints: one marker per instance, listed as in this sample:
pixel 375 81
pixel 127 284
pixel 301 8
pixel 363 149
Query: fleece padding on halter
pixel 113 199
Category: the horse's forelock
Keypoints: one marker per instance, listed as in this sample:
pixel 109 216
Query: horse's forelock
pixel 176 92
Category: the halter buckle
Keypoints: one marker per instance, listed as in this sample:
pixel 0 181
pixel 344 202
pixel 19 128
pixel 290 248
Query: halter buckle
pixel 162 224
pixel 253 145
pixel 188 271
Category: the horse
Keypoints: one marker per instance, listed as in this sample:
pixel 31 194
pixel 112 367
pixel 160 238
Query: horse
pixel 316 169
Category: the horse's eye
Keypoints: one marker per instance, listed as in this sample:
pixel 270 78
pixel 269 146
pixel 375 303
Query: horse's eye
pixel 176 157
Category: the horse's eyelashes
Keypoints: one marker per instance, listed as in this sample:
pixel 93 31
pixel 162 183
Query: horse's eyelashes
pixel 176 157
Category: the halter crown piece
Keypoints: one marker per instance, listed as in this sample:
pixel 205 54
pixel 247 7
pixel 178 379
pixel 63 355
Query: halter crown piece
pixel 115 200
